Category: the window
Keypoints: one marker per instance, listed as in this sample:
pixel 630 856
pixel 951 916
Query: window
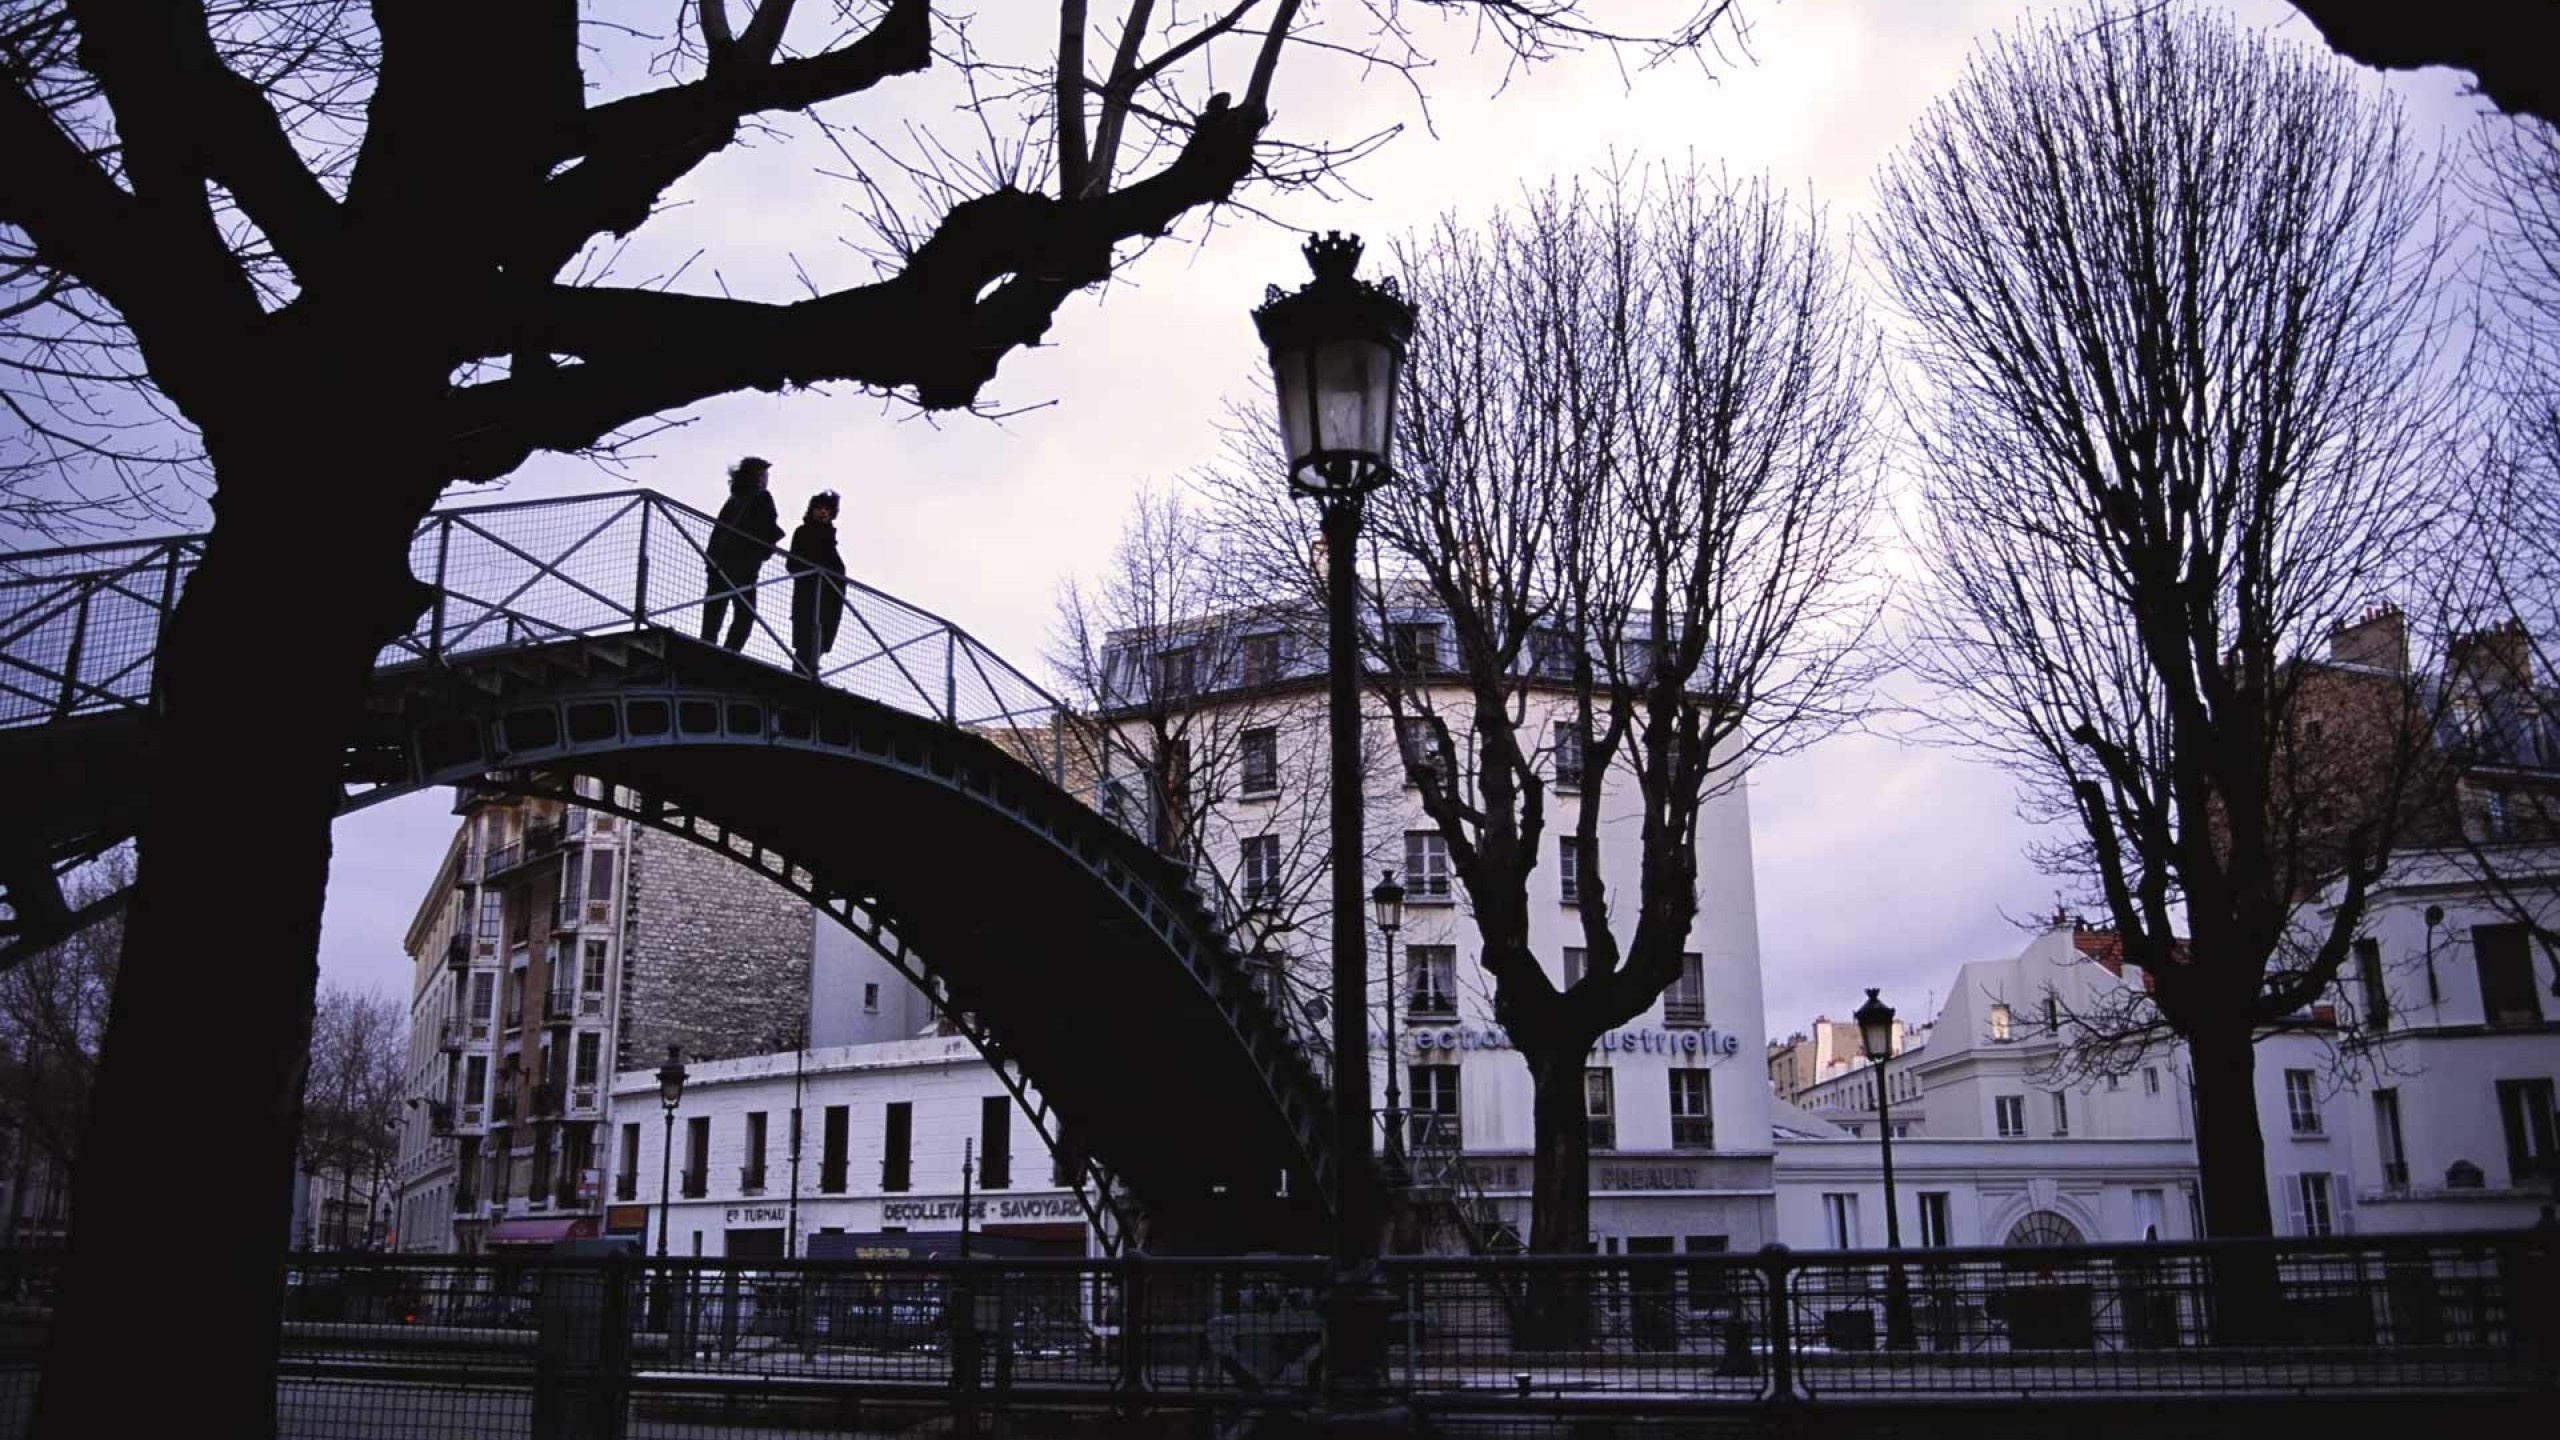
pixel 484 995
pixel 475 1080
pixel 2012 1115
pixel 1709 1285
pixel 493 911
pixel 2150 1213
pixel 2052 1015
pixel 1066 1159
pixel 1685 1003
pixel 1426 867
pixel 590 1057
pixel 871 997
pixel 751 1174
pixel 1569 869
pixel 1999 1024
pixel 2150 1079
pixel 897 1139
pixel 1434 980
pixel 600 885
pixel 2386 1137
pixel 836 1127
pixel 2301 1102
pixel 2115 1082
pixel 697 1157
pixel 1416 648
pixel 519 915
pixel 1572 966
pixel 1937 1226
pixel 2311 1215
pixel 1693 1120
pixel 1261 659
pixel 591 967
pixel 572 890
pixel 2526 1107
pixel 995 1143
pixel 1177 673
pixel 1600 1108
pixel 1261 869
pixel 1435 1108
pixel 1567 738
pixel 1840 1220
pixel 2377 989
pixel 1262 761
pixel 2506 975
pixel 2061 1113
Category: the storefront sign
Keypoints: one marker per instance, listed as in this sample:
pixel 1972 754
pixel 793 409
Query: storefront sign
pixel 1646 1175
pixel 758 1215
pixel 1704 1043
pixel 1023 1207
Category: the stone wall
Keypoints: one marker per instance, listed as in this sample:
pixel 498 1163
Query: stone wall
pixel 717 960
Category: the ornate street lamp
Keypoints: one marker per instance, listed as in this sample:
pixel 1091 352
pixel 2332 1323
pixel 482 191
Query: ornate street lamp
pixel 1337 349
pixel 1875 1036
pixel 1387 903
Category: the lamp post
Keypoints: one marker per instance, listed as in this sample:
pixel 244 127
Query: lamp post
pixel 1387 903
pixel 1337 347
pixel 1875 1036
pixel 670 1095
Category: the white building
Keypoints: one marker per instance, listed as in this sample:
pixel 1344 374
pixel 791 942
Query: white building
pixel 888 1127
pixel 1677 1099
pixel 2455 1029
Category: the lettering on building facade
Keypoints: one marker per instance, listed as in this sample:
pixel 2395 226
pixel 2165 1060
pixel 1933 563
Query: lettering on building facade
pixel 1704 1043
pixel 1023 1207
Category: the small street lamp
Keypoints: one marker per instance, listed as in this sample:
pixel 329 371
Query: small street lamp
pixel 1875 1036
pixel 1337 349
pixel 1387 903
pixel 670 1095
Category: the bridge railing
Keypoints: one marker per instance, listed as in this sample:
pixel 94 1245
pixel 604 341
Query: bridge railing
pixel 80 627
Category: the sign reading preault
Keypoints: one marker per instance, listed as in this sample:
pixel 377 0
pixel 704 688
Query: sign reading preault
pixel 1024 1207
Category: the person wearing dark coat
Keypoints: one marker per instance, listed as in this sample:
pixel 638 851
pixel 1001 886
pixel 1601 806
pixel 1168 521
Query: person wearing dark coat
pixel 817 583
pixel 739 546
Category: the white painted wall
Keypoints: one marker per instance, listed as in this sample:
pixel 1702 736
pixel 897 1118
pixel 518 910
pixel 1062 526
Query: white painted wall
pixel 1990 1184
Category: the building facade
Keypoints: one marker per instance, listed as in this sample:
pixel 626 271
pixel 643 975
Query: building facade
pixel 898 1140
pixel 558 946
pixel 1676 1099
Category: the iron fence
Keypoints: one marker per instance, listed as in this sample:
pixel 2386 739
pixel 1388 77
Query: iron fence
pixel 496 1347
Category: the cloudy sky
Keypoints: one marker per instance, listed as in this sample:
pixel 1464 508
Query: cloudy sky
pixel 1877 864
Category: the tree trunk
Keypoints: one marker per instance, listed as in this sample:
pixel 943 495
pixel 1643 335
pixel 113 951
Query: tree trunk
pixel 200 1082
pixel 2232 1159
pixel 1559 1199
pixel 2230 1152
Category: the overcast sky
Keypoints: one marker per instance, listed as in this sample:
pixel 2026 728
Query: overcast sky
pixel 1876 864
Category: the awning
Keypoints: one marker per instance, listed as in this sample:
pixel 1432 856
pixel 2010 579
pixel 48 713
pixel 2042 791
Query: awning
pixel 548 1230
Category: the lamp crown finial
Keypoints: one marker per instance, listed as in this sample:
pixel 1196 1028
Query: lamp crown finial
pixel 1332 255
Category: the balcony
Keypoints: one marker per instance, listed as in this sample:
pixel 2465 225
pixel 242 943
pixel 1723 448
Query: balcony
pixel 750 1179
pixel 449 1036
pixel 564 916
pixel 559 1007
pixel 457 953
pixel 440 1117
pixel 540 842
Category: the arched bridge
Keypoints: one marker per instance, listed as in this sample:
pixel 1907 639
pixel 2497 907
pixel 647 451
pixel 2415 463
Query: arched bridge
pixel 978 832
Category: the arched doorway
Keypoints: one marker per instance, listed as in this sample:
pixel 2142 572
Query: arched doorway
pixel 2043 1228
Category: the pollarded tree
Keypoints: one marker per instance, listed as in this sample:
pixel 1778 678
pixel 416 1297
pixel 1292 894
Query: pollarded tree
pixel 362 252
pixel 2171 327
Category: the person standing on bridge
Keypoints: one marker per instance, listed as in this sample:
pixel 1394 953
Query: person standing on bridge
pixel 817 583
pixel 739 547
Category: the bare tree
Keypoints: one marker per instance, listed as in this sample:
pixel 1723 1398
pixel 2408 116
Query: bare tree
pixel 1634 482
pixel 299 226
pixel 2172 328
pixel 53 1017
pixel 351 1097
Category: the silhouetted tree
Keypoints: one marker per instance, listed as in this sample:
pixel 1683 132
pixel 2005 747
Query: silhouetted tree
pixel 2171 300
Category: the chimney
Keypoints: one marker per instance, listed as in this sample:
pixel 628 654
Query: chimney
pixel 2493 659
pixel 2379 638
